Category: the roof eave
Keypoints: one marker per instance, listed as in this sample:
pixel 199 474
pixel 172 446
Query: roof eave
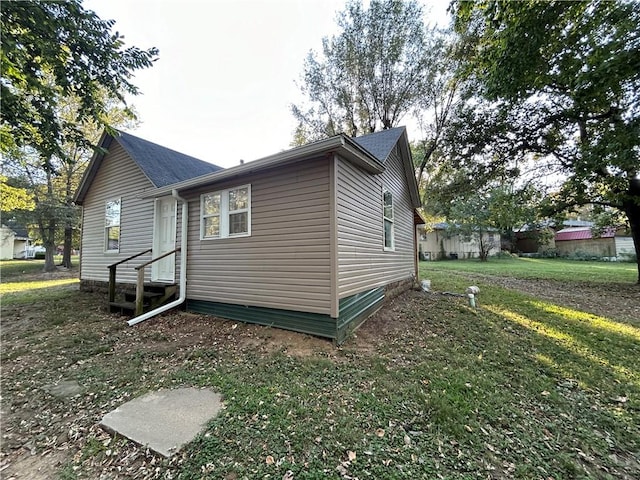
pixel 338 144
pixel 359 156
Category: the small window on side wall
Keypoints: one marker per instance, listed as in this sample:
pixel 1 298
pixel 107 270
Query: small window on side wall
pixel 226 213
pixel 112 226
pixel 387 220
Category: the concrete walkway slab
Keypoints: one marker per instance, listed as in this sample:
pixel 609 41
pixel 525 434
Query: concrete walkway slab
pixel 64 389
pixel 164 420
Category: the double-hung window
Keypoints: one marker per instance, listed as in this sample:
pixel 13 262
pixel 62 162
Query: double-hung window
pixel 387 220
pixel 112 226
pixel 226 213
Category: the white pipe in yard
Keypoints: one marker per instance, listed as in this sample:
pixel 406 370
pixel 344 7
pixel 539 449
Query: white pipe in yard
pixel 472 291
pixel 472 300
pixel 183 267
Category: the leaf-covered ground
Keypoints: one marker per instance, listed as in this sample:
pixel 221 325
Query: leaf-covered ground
pixel 524 387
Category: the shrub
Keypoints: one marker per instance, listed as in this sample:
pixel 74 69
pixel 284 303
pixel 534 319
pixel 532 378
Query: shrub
pixel 505 254
pixel 628 257
pixel 583 256
pixel 548 253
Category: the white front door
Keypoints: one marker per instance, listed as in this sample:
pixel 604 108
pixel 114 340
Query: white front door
pixel 164 240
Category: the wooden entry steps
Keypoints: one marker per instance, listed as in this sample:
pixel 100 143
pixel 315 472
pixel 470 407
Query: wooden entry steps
pixel 147 296
pixel 154 295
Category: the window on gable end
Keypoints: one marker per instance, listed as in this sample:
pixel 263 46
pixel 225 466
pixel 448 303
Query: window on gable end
pixel 387 220
pixel 112 226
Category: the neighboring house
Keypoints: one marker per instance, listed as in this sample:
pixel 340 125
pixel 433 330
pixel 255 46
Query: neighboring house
pixel 13 242
pixel 309 239
pixel 535 241
pixel 542 237
pixel 611 243
pixel 439 243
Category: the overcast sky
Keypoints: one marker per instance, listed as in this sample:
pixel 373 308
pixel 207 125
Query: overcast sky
pixel 227 70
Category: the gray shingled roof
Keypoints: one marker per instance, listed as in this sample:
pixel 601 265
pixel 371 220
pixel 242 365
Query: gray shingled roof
pixel 380 144
pixel 19 230
pixel 162 165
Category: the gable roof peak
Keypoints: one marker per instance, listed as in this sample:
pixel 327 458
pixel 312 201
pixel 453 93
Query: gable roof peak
pixel 380 144
pixel 162 165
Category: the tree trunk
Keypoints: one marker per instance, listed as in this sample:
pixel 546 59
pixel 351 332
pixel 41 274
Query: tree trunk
pixel 49 242
pixel 510 236
pixel 48 225
pixel 632 209
pixel 70 208
pixel 484 252
pixel 68 241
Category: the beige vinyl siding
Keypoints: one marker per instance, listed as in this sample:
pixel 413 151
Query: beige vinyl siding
pixel 117 177
pixel 362 262
pixel 285 263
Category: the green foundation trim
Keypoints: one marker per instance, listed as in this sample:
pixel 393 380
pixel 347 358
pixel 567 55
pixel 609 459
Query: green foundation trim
pixel 353 311
pixel 312 323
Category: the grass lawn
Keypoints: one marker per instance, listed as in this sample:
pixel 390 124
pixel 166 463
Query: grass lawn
pixel 543 268
pixel 23 281
pixel 19 270
pixel 523 387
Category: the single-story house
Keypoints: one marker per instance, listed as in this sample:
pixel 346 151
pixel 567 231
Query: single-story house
pixel 310 239
pixel 13 242
pixel 535 241
pixel 611 243
pixel 439 243
pixel 540 238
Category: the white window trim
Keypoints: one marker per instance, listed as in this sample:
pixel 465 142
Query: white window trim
pixel 392 248
pixel 106 227
pixel 203 216
pixel 225 213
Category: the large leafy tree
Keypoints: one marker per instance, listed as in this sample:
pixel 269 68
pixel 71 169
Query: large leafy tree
pixel 14 197
pixel 75 159
pixel 54 53
pixel 371 74
pixel 554 85
pixel 473 210
pixel 471 219
pixel 53 214
pixel 438 103
pixel 52 50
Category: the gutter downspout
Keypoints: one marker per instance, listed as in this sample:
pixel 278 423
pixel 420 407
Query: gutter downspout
pixel 183 267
